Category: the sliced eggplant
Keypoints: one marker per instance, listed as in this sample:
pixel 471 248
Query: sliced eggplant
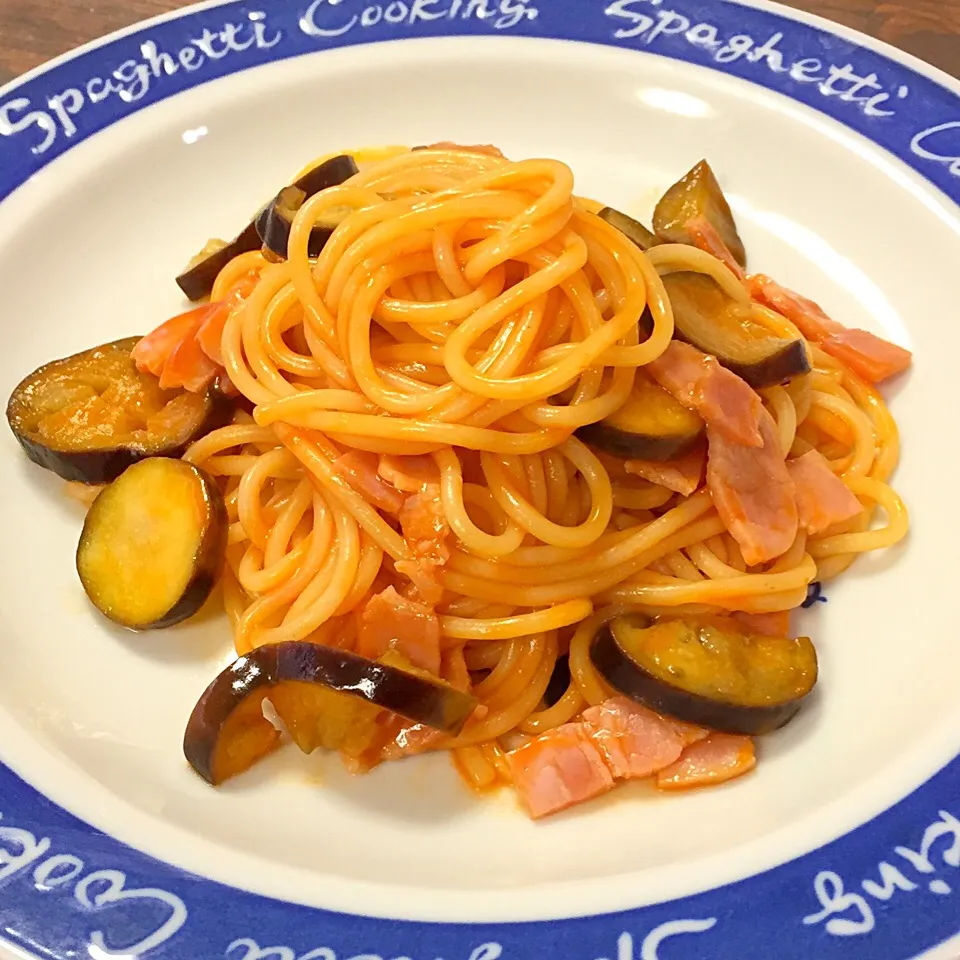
pixel 153 544
pixel 651 425
pixel 715 323
pixel 201 273
pixel 90 416
pixel 697 197
pixel 276 220
pixel 227 731
pixel 330 173
pixel 707 670
pixel 632 229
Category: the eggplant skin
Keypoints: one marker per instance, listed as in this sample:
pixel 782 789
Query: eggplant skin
pixel 781 367
pixel 209 561
pixel 413 696
pixel 649 425
pixel 632 446
pixel 102 464
pixel 633 681
pixel 198 278
pixel 632 229
pixel 330 173
pixel 707 318
pixel 101 532
pixel 697 194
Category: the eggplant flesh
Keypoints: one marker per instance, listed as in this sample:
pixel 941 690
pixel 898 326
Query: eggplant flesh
pixel 90 416
pixel 651 425
pixel 707 671
pixel 705 316
pixel 697 197
pixel 198 279
pixel 227 731
pixel 632 229
pixel 153 544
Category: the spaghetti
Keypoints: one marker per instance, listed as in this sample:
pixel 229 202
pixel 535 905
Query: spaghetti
pixel 429 369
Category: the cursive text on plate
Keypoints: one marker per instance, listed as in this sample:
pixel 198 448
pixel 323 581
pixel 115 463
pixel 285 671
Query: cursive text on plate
pixel 93 889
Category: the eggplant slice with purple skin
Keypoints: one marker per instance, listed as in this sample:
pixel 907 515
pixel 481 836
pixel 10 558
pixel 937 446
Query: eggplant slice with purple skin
pixel 632 229
pixel 276 220
pixel 153 544
pixel 227 732
pixel 198 278
pixel 707 670
pixel 651 425
pixel 90 416
pixel 201 272
pixel 705 316
pixel 697 196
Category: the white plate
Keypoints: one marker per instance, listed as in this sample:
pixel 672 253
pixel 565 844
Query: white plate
pixel 108 185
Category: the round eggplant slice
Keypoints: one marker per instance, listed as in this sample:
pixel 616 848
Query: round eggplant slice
pixel 697 197
pixel 90 416
pixel 716 324
pixel 651 425
pixel 707 671
pixel 153 544
pixel 632 229
pixel 227 731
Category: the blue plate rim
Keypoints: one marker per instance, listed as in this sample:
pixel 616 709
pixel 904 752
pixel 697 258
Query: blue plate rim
pixel 68 889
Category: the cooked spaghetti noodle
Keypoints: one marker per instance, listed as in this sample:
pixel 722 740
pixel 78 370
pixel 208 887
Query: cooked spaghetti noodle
pixel 467 315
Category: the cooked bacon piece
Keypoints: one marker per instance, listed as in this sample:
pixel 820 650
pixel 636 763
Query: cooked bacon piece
pixel 188 367
pixel 185 351
pixel 807 316
pixel 426 531
pixel 718 758
pixel 153 351
pixel 870 357
pixel 359 469
pixel 682 475
pixel 558 769
pixel 210 334
pixel 753 492
pixel 706 237
pixel 823 499
pixel 725 401
pixel 635 741
pixel 391 622
pixel 409 474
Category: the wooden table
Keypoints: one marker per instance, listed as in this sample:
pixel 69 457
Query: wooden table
pixel 32 31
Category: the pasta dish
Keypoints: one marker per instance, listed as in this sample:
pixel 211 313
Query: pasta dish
pixel 476 464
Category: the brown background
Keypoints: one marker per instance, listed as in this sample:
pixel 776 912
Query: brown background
pixel 32 31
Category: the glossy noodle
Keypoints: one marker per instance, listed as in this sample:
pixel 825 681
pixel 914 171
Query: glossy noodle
pixel 468 314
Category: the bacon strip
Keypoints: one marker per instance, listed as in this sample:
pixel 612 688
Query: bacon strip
pixel 705 236
pixel 753 492
pixel 391 622
pixel 682 475
pixel 870 357
pixel 719 758
pixel 699 382
pixel 823 499
pixel 559 769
